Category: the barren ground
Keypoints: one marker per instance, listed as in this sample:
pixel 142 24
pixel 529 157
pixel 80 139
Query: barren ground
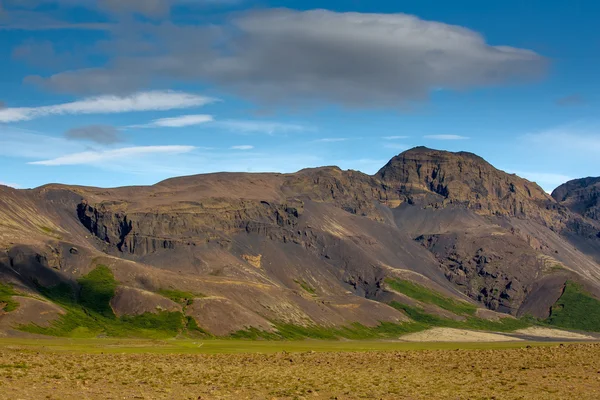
pixel 113 369
pixel 456 335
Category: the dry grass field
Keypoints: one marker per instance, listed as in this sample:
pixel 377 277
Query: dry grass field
pixel 119 369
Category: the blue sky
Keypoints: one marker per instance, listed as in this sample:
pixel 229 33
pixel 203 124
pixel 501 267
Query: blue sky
pixel 111 93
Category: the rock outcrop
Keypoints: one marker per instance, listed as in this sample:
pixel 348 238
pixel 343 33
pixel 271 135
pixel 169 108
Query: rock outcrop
pixel 438 178
pixel 582 196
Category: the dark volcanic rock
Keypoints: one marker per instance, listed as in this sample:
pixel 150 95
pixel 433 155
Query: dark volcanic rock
pixel 581 196
pixel 439 178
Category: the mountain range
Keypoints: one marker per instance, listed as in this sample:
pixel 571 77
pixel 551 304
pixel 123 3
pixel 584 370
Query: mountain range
pixel 433 238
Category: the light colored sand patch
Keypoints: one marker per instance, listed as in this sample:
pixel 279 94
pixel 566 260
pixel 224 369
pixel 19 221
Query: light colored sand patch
pixel 456 335
pixel 255 261
pixel 553 333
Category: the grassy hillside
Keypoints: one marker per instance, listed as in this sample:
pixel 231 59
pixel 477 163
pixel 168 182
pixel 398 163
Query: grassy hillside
pixel 89 313
pixel 426 295
pixel 6 302
pixel 460 308
pixel 576 309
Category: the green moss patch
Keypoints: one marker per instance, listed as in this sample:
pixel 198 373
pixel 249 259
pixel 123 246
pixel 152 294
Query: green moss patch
pixel 306 287
pixel 89 313
pixel 575 309
pixel 179 296
pixel 426 295
pixel 6 301
pixel 97 288
pixel 428 320
pixel 356 331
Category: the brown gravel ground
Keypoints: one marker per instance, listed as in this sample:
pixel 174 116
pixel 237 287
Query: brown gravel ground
pixel 551 372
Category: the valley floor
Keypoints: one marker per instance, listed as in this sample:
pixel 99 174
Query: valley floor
pixel 235 369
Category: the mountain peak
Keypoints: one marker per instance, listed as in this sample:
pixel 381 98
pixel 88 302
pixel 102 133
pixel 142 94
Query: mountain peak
pixel 423 150
pixel 436 177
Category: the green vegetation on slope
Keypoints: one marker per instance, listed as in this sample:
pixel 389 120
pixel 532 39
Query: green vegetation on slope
pixel 230 346
pixel 97 288
pixel 62 293
pixel 178 296
pixel 426 295
pixel 354 331
pixel 6 293
pixel 89 314
pixel 306 287
pixel 464 309
pixel 470 322
pixel 575 309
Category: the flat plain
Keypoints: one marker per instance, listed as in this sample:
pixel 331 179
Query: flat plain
pixel 237 369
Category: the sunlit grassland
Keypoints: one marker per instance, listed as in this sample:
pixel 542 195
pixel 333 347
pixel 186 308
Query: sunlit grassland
pixel 230 346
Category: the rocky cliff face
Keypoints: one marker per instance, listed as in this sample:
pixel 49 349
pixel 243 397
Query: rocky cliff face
pixel 581 196
pixel 439 178
pixel 186 224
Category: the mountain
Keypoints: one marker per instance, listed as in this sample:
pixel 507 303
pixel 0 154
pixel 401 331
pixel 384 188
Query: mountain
pixel 433 238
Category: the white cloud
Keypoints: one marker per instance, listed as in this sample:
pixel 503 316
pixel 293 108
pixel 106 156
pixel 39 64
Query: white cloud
pixel 394 137
pixel 28 144
pixel 109 104
pixel 12 185
pixel 331 140
pixel 177 122
pixel 269 127
pixel 242 147
pixel 95 157
pixel 446 137
pixel 129 167
pixel 568 138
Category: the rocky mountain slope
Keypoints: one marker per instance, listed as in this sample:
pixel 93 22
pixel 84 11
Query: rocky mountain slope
pixel 432 235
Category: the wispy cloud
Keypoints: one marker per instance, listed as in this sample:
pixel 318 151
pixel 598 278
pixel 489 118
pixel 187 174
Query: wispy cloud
pixel 95 157
pixel 330 140
pixel 574 137
pixel 101 134
pixel 12 185
pixel 177 122
pixel 571 100
pixel 145 166
pixel 268 127
pixel 21 143
pixel 394 137
pixel 242 147
pixel 141 101
pixel 446 137
pixel 25 20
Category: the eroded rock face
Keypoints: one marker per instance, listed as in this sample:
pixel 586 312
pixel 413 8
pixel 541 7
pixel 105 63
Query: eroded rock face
pixel 185 223
pixel 439 178
pixel 581 196
pixel 497 271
